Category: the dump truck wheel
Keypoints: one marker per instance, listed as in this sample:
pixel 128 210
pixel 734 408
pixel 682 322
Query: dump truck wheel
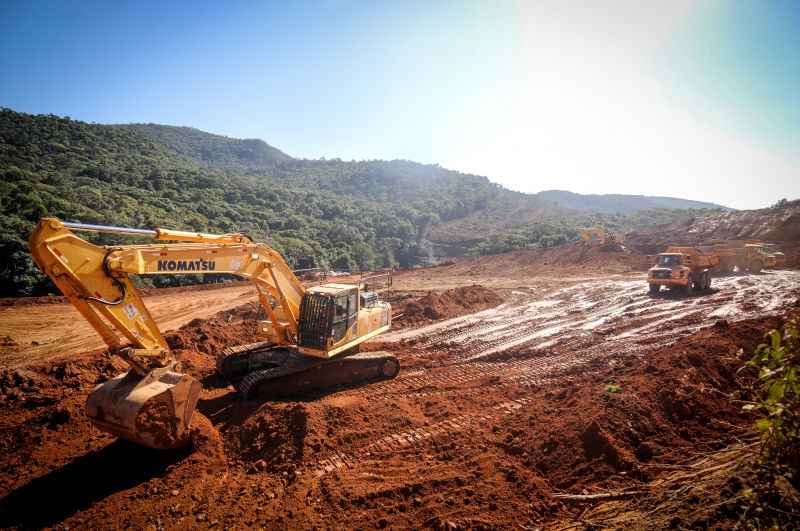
pixel 655 289
pixel 756 267
pixel 706 280
pixel 689 287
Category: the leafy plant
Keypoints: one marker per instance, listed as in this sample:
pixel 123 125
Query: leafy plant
pixel 768 493
pixel 778 398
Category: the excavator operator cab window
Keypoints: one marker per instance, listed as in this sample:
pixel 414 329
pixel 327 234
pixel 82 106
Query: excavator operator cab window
pixel 339 327
pixel 325 317
pixel 345 313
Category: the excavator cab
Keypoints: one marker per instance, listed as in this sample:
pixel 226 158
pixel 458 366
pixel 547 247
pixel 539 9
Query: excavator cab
pixel 326 314
pixel 337 317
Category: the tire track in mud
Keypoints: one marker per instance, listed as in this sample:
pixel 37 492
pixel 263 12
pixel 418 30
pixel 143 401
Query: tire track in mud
pixel 599 307
pixel 392 443
pixel 650 323
pixel 526 373
pixel 580 325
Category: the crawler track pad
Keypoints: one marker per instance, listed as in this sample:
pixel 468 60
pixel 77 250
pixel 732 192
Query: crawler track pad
pixel 259 371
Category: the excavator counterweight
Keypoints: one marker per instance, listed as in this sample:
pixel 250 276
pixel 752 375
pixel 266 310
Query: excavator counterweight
pixel 311 337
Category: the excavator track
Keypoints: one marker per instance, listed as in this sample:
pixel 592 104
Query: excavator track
pixel 261 370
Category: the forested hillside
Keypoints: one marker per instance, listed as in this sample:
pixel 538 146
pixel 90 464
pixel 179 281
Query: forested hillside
pixel 618 203
pixel 231 154
pixel 338 214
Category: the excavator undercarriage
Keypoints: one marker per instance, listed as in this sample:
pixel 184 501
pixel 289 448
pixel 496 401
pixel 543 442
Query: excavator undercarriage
pixel 262 370
pixel 312 335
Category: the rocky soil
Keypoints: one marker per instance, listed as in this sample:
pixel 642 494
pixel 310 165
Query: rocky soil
pixel 505 400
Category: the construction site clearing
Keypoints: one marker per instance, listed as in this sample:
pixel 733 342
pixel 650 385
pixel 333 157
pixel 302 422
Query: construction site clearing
pixel 541 388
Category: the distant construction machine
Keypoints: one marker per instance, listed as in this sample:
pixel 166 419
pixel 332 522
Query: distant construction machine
pixel 775 259
pixel 312 336
pixel 597 236
pixel 742 256
pixel 684 268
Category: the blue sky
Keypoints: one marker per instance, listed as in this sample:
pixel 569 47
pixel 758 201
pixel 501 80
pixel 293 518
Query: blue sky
pixel 688 98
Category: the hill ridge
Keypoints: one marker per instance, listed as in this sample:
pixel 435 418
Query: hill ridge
pixel 622 202
pixel 339 214
pixel 219 151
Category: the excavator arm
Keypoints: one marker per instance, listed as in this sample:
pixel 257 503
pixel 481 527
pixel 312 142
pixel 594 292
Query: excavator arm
pixel 96 280
pixel 592 235
pixel 153 402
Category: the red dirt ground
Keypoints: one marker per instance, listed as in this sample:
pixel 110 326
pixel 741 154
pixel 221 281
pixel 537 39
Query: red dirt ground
pixel 60 299
pixel 445 305
pixel 519 268
pixel 492 414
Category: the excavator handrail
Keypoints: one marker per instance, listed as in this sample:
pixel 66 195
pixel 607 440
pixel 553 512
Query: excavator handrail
pixel 88 227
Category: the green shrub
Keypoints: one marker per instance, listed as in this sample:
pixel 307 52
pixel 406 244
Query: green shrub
pixel 769 495
pixel 778 397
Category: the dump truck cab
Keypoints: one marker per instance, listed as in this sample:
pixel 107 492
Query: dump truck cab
pixel 686 268
pixel 670 269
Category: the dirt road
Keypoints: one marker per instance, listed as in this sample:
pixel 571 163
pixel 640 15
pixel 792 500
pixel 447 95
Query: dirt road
pixel 36 332
pixel 606 311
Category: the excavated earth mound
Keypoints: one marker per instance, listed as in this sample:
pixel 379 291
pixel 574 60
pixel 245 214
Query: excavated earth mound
pixel 433 448
pixel 447 304
pixel 602 427
pixel 570 260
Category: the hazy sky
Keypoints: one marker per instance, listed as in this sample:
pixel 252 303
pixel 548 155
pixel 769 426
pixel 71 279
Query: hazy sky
pixel 693 99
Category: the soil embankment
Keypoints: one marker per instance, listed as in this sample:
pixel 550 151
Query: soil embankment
pixel 780 225
pixel 433 306
pixel 580 386
pixel 526 267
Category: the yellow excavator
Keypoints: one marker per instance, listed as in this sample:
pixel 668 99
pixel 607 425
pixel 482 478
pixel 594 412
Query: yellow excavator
pixel 597 236
pixel 312 335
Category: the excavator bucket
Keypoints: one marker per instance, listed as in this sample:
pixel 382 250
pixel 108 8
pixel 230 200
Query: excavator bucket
pixel 154 410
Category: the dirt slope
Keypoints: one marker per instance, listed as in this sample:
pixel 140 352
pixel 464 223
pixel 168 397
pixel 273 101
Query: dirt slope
pixel 780 225
pixel 433 306
pixel 509 270
pixel 492 413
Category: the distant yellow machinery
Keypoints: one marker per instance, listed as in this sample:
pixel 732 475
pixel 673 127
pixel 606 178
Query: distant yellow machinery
pixel 311 335
pixel 746 256
pixel 598 236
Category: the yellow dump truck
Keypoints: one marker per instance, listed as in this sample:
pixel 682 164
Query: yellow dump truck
pixel 684 268
pixel 743 256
